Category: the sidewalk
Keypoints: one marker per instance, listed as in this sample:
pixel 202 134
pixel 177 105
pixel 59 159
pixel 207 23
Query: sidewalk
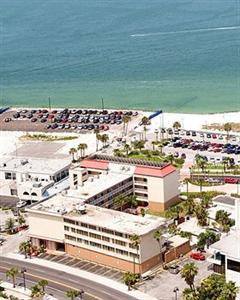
pixel 80 273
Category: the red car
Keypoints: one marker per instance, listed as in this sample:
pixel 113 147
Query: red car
pixel 230 180
pixel 197 256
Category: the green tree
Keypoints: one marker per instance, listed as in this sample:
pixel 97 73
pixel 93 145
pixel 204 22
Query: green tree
pixel 10 224
pixel 72 152
pixel 132 201
pixel 21 220
pixel 222 218
pixel 126 119
pixel 82 147
pixel 129 279
pixel 135 241
pixel 120 201
pixel 105 139
pixel 96 132
pixel 189 206
pixel 170 158
pixel 72 294
pixel 36 291
pixel 176 125
pixel 143 212
pixel 206 239
pixel 43 283
pixel 12 273
pixel 127 148
pixel 188 273
pixel 227 127
pixel 201 214
pixel 229 291
pixel 157 235
pixel 25 247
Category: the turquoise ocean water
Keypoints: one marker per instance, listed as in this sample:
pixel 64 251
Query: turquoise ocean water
pixel 175 55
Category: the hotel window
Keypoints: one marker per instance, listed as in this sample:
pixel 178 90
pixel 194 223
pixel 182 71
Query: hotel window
pixel 133 255
pixel 66 228
pixel 92 227
pixel 108 231
pixel 122 252
pixel 82 232
pixel 108 248
pixel 86 242
pixel 121 243
pixel 105 238
pixel 69 221
pixel 118 233
pixel 79 240
pixel 95 244
pixel 84 225
pixel 233 265
pixel 70 237
pixel 73 229
pixel 132 246
pixel 95 236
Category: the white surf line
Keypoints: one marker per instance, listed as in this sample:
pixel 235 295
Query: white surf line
pixel 185 31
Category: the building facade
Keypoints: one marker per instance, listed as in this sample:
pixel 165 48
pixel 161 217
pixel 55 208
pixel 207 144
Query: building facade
pixel 97 234
pixel 32 179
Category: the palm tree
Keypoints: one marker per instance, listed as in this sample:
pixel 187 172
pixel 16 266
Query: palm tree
pixel 96 132
pixel 117 152
pixel 143 212
pixel 10 224
pixel 72 294
pixel 188 272
pixel 72 152
pixel 36 291
pixel 126 119
pixel 225 163
pixel 21 220
pixel 43 283
pixel 156 134
pixel 227 127
pixel 25 247
pixel 154 143
pixel 145 132
pixel 82 147
pixel 132 201
pixel 189 206
pixel 129 279
pixel 127 148
pixel 104 139
pixel 176 125
pixel 120 200
pixel 222 218
pixel 158 237
pixel 229 291
pixel 170 157
pixel 135 240
pixel 12 273
pixel 145 121
pixel 201 214
pixel 139 145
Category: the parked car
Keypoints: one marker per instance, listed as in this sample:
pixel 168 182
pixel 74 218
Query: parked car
pixel 174 269
pixel 197 256
pixel 230 180
pixel 21 204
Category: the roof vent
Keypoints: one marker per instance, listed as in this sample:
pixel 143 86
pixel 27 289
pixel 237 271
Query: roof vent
pixel 81 208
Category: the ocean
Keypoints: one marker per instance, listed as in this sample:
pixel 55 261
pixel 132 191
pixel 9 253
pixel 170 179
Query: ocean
pixel 174 55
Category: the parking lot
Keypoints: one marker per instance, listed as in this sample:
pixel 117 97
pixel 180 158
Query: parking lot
pixel 84 265
pixel 162 285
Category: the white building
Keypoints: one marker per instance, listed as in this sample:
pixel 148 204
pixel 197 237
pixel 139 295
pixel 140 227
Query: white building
pixel 226 252
pixel 33 179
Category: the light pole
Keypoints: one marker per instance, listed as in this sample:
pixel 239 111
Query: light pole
pixel 176 290
pixel 23 271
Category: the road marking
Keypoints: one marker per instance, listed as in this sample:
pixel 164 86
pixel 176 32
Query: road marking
pixel 57 282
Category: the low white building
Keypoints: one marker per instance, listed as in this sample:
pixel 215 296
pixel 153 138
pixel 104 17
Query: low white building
pixel 226 252
pixel 33 179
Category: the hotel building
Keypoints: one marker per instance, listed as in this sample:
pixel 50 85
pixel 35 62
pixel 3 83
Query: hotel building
pixel 99 179
pixel 64 223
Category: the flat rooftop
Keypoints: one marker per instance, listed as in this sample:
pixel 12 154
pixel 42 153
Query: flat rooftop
pixel 229 245
pixel 66 206
pixel 98 183
pixel 33 165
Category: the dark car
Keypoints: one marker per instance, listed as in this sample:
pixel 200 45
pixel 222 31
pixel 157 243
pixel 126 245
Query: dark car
pixel 54 126
pixel 34 120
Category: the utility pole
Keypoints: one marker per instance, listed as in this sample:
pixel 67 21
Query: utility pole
pixel 49 103
pixel 102 103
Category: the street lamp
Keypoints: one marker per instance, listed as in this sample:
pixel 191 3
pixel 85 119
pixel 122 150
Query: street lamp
pixel 23 271
pixel 176 290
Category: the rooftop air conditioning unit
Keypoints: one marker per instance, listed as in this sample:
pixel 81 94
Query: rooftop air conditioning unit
pixel 81 208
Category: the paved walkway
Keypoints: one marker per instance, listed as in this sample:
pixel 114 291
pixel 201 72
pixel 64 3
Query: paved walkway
pixel 90 276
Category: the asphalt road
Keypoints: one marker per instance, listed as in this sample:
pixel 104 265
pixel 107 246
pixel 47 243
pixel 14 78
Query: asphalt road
pixel 61 281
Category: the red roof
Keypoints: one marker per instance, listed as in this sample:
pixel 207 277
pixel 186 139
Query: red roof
pixel 154 172
pixel 94 164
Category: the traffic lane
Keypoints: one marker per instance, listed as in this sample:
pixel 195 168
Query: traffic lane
pixel 30 281
pixel 70 281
